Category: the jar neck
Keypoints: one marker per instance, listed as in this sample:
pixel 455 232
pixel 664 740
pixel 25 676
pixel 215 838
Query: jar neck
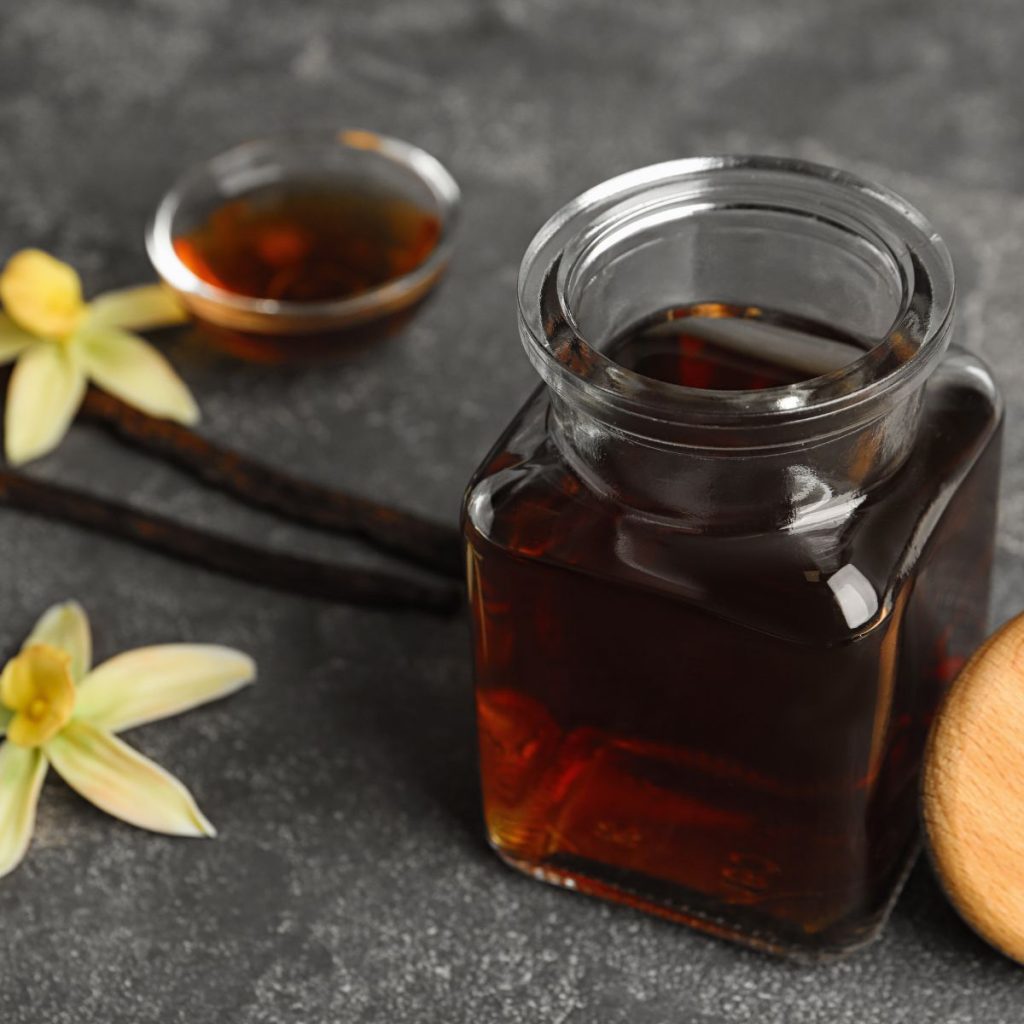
pixel 801 484
pixel 790 243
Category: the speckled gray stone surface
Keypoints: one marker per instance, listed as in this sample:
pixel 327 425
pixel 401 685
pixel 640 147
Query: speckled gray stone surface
pixel 351 881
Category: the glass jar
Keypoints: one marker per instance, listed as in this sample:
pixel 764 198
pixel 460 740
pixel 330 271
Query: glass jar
pixel 724 564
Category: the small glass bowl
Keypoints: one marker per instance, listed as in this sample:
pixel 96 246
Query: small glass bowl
pixel 274 330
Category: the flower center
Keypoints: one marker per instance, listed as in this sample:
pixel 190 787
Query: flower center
pixel 37 709
pixel 41 294
pixel 37 686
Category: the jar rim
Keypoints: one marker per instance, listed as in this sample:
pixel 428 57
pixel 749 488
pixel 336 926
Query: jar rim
pixel 572 365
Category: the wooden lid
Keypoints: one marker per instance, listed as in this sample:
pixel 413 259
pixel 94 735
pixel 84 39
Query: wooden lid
pixel 974 791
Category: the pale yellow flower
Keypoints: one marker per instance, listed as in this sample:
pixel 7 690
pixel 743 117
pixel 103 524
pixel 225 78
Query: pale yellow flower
pixel 61 343
pixel 57 710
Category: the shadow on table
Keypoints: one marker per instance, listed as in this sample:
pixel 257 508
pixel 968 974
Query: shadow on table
pixel 417 727
pixel 924 906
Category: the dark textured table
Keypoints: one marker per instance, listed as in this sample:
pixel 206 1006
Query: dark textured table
pixel 351 881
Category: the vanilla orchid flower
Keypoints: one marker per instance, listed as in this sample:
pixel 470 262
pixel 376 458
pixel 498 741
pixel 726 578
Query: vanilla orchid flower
pixel 61 343
pixel 58 711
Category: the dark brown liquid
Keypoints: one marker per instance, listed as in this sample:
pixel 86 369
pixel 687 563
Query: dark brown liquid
pixel 689 723
pixel 733 348
pixel 308 243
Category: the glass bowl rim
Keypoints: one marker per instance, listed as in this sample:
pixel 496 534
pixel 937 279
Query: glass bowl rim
pixel 425 167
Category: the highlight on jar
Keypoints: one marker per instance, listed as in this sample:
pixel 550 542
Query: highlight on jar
pixel 727 559
pixel 300 247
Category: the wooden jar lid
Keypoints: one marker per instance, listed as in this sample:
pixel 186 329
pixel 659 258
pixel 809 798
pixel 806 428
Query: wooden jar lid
pixel 974 791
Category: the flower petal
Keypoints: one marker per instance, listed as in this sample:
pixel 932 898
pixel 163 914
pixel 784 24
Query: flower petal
pixel 5 719
pixel 120 781
pixel 137 373
pixel 66 627
pixel 135 309
pixel 13 339
pixel 157 682
pixel 21 778
pixel 45 392
pixel 41 293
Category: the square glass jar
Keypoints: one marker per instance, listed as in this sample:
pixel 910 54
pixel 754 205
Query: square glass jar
pixel 712 625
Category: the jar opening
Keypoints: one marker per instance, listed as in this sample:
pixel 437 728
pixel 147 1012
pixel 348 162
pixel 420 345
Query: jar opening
pixel 846 291
pixel 721 346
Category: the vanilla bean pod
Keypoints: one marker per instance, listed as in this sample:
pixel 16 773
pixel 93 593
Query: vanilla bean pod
pixel 281 571
pixel 401 533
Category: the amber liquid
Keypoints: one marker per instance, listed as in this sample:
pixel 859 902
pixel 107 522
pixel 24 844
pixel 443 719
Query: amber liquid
pixel 687 722
pixel 308 243
pixel 722 347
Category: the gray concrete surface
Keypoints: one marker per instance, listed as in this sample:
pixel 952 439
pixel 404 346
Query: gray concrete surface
pixel 350 881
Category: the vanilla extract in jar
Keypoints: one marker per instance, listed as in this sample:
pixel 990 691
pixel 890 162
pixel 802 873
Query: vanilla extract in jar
pixel 724 564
